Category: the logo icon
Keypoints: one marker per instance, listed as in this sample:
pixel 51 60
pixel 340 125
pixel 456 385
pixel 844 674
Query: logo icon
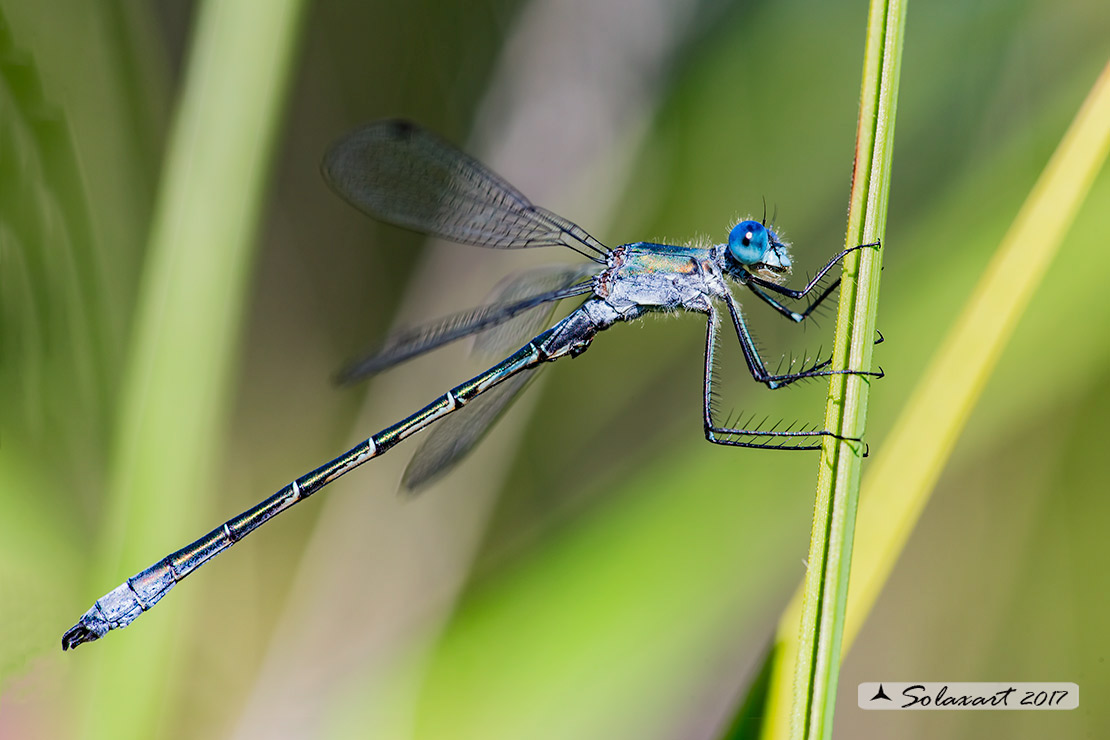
pixel 880 694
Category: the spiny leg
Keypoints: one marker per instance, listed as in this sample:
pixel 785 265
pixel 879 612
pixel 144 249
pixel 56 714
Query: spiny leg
pixel 825 363
pixel 796 294
pixel 776 439
pixel 795 316
pixel 753 282
pixel 759 370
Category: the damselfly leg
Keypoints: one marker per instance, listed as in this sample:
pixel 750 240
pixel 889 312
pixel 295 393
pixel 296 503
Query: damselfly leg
pixel 754 283
pixel 773 438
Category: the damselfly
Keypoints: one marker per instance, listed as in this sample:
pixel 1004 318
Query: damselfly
pixel 404 175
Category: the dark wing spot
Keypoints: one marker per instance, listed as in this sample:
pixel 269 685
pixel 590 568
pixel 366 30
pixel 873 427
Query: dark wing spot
pixel 402 129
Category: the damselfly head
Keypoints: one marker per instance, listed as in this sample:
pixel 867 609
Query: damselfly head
pixel 753 245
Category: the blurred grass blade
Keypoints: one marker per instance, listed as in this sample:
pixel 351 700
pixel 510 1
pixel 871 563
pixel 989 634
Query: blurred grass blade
pixel 830 553
pixel 914 454
pixel 912 457
pixel 55 312
pixel 180 363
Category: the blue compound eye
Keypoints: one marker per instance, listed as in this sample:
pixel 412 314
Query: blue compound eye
pixel 747 242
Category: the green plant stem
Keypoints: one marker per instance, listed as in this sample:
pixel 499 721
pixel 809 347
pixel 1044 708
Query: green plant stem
pixel 830 554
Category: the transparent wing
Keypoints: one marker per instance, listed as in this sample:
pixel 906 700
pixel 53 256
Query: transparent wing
pixel 453 437
pixel 515 289
pixel 398 172
pixel 517 304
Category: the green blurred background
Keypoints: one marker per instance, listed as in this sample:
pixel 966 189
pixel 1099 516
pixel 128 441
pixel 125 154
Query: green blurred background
pixel 596 569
